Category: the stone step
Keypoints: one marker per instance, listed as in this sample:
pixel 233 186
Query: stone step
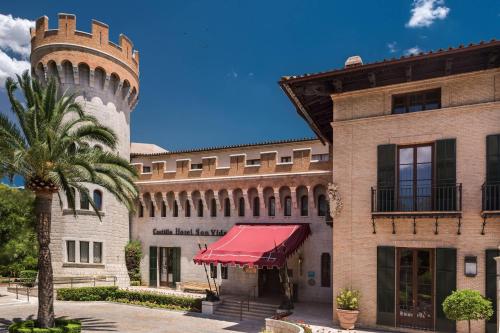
pixel 259 312
pixel 252 304
pixel 246 315
pixel 231 307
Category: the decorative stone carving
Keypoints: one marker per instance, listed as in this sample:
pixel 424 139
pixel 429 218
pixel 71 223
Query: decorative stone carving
pixel 335 200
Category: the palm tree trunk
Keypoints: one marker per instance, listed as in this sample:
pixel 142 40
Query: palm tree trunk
pixel 43 211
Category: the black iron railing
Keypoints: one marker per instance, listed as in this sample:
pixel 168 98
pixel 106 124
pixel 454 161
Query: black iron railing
pixel 491 197
pixel 422 198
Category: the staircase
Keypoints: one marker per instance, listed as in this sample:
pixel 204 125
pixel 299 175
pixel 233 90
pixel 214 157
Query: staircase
pixel 242 309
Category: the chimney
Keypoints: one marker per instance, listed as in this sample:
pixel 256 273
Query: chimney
pixel 353 61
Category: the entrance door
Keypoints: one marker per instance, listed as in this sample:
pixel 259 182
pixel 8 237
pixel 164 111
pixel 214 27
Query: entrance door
pixel 416 288
pixel 169 265
pixel 269 282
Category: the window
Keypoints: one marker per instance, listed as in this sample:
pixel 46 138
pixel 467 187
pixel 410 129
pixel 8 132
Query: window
pixel 304 205
pixel 70 250
pixel 151 209
pixel 175 211
pixel 196 166
pixel 97 247
pixel 254 161
pixel 141 210
pixel 271 207
pixel 256 206
pixel 98 199
pixel 288 206
pixel 84 200
pixel 71 204
pixel 416 101
pixel 163 209
pixel 415 178
pixel 286 159
pixel 227 207
pixel 223 272
pixel 213 207
pixel 187 212
pixel 200 208
pixel 325 270
pixel 320 157
pixel 146 169
pixel 84 252
pixel 213 271
pixel 241 207
pixel 322 205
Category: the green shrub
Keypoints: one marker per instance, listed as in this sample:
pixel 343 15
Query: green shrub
pixel 62 326
pixel 135 283
pixel 467 305
pixel 133 254
pixel 114 294
pixel 28 278
pixel 348 299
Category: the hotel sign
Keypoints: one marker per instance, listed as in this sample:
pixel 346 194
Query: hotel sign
pixel 189 232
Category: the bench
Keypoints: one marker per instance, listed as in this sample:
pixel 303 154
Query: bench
pixel 194 286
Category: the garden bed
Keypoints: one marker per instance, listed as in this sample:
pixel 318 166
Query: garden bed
pixel 113 294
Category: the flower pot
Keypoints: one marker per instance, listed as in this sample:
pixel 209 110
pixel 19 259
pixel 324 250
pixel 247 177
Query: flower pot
pixel 347 318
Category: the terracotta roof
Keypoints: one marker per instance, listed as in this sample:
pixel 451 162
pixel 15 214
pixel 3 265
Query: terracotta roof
pixel 243 145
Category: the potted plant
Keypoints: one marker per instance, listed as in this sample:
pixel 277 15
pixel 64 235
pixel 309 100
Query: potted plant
pixel 347 307
pixel 467 305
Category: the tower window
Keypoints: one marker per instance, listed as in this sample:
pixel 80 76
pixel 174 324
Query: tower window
pixel 322 205
pixel 271 207
pixel 227 207
pixel 256 206
pixel 304 205
pixel 288 206
pixel 175 212
pixel 163 209
pixel 187 211
pixel 98 199
pixel 213 208
pixel 200 208
pixel 151 209
pixel 241 207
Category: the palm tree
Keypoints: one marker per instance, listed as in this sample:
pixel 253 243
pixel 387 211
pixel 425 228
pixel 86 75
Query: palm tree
pixel 49 147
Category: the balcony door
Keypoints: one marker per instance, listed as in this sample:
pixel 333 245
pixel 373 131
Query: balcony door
pixel 415 165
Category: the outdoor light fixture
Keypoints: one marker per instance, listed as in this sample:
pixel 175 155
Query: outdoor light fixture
pixel 470 265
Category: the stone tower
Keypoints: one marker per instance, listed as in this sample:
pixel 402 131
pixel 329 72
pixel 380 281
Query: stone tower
pixel 105 78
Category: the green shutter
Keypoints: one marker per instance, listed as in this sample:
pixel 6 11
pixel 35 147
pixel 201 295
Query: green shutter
pixel 493 158
pixel 386 281
pixel 446 282
pixel 386 177
pixel 176 256
pixel 491 287
pixel 446 175
pixel 153 263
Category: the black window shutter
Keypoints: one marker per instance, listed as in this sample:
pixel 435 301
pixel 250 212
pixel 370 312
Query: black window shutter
pixel 153 256
pixel 446 282
pixel 386 280
pixel 491 287
pixel 446 175
pixel 386 177
pixel 493 158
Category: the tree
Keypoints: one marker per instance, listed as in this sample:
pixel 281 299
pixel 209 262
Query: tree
pixel 467 305
pixel 18 248
pixel 133 254
pixel 49 146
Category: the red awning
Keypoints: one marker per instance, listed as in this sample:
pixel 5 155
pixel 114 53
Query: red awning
pixel 255 245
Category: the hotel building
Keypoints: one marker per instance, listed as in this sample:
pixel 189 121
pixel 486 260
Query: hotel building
pixel 416 150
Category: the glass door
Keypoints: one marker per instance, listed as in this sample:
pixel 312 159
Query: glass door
pixel 170 266
pixel 416 288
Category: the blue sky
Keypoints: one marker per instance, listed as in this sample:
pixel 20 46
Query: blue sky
pixel 209 69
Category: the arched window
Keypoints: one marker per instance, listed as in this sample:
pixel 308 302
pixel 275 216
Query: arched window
pixel 227 207
pixel 98 199
pixel 304 205
pixel 321 205
pixel 151 209
pixel 256 206
pixel 141 210
pixel 241 207
pixel 175 211
pixel 71 201
pixel 271 207
pixel 213 207
pixel 163 209
pixel 200 208
pixel 187 211
pixel 288 206
pixel 84 200
pixel 325 270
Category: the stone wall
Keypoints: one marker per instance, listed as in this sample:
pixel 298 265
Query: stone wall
pixel 280 326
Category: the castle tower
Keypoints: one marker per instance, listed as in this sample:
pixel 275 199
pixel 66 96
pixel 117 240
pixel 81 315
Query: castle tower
pixel 105 78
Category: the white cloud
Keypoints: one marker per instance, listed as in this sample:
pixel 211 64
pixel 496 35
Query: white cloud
pixel 413 50
pixel 393 47
pixel 15 46
pixel 425 12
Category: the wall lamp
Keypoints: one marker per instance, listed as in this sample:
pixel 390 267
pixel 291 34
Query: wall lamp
pixel 470 266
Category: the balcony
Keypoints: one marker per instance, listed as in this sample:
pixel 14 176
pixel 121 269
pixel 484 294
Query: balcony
pixel 490 202
pixel 417 201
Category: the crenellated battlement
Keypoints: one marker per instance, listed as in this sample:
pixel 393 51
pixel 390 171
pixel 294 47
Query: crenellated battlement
pixel 98 39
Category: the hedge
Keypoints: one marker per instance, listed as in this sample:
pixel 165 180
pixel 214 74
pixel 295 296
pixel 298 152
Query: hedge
pixel 62 326
pixel 130 297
